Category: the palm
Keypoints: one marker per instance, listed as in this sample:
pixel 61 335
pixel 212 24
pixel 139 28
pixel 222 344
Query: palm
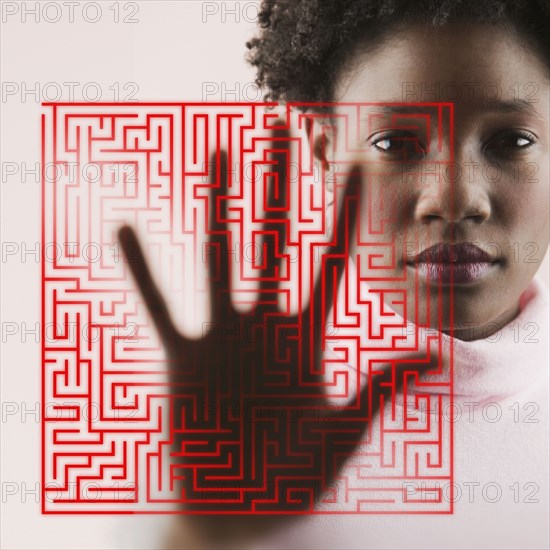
pixel 247 400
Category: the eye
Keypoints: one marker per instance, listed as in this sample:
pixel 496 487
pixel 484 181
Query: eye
pixel 510 142
pixel 398 144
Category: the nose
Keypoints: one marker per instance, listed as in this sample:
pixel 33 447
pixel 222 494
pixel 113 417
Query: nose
pixel 454 194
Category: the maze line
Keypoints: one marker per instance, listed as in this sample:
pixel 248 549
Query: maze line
pixel 120 432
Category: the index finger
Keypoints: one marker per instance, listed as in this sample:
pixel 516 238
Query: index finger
pixel 149 291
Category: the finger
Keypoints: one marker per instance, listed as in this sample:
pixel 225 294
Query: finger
pixel 218 257
pixel 275 228
pixel 334 261
pixel 383 386
pixel 149 291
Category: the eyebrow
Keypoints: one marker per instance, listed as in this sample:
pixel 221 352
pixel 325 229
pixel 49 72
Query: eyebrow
pixel 512 106
pixel 496 106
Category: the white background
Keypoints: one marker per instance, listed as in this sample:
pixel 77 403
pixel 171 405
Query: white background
pixel 174 51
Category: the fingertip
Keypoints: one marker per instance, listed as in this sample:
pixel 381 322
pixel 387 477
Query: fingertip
pixel 279 123
pixel 130 245
pixel 280 129
pixel 356 177
pixel 125 234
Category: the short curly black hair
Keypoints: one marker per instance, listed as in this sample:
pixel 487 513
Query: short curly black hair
pixel 303 43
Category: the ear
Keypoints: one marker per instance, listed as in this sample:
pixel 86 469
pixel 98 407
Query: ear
pixel 322 138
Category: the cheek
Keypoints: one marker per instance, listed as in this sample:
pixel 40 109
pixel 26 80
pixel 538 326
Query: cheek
pixel 541 202
pixel 538 227
pixel 385 226
pixel 387 207
pixel 526 206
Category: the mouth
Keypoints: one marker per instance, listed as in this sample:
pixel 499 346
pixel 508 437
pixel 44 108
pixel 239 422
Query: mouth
pixel 460 263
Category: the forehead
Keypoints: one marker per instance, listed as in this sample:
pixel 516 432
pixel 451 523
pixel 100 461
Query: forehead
pixel 455 62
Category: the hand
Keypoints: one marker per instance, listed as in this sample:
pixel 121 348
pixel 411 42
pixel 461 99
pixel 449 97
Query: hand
pixel 252 429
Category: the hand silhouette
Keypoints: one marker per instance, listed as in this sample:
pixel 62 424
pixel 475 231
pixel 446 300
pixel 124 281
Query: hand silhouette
pixel 252 429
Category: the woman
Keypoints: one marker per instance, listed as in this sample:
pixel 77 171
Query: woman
pixel 464 245
pixel 490 59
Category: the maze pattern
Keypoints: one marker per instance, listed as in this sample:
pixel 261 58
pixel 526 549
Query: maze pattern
pixel 109 408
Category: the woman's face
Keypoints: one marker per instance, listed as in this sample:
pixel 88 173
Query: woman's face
pixel 481 185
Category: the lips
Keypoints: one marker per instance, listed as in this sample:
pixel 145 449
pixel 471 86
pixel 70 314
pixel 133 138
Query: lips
pixel 458 263
pixel 453 253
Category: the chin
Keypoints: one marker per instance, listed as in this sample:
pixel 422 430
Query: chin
pixel 447 307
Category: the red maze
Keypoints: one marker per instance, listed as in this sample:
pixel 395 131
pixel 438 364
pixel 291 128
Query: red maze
pixel 260 400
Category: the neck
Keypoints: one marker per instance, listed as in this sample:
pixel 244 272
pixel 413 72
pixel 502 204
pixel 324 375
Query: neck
pixel 478 332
